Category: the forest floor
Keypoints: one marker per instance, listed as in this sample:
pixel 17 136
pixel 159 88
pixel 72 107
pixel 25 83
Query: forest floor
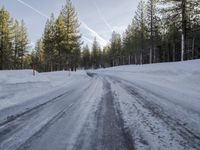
pixel 121 108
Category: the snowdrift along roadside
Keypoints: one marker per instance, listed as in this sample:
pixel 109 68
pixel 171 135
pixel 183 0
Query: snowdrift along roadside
pixel 20 86
pixel 180 76
pixel 177 81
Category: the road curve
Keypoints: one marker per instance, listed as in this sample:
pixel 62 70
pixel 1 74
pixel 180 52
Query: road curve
pixel 104 113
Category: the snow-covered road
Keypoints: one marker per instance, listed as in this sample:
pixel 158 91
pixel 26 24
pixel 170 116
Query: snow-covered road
pixel 103 112
pixel 156 122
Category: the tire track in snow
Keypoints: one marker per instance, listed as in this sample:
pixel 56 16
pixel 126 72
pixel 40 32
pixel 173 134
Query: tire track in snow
pixel 191 139
pixel 65 127
pixel 13 117
pixel 109 119
pixel 10 130
pixel 108 131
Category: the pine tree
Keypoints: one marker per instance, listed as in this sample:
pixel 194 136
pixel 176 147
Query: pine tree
pixel 28 62
pixel 16 44
pixel 39 55
pixel 178 11
pixel 60 42
pixel 95 54
pixel 105 57
pixel 73 37
pixel 86 59
pixel 153 26
pixel 131 43
pixel 150 29
pixel 141 23
pixel 127 43
pixel 115 48
pixel 23 42
pixel 49 44
pixel 5 39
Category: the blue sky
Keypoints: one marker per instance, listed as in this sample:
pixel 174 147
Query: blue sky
pixel 98 17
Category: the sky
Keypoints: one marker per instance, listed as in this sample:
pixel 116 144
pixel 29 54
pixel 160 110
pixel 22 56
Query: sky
pixel 98 18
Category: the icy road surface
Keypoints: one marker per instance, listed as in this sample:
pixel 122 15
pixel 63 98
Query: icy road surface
pixel 102 112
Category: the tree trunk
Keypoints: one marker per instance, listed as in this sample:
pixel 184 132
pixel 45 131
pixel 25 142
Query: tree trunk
pixel 152 46
pixel 135 59
pixel 1 54
pixel 174 55
pixel 150 56
pixel 51 66
pixel 154 55
pixel 15 59
pixel 193 40
pixel 183 39
pixel 182 47
pixel 1 59
pixel 22 61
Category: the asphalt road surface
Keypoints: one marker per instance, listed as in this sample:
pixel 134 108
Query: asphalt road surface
pixel 90 117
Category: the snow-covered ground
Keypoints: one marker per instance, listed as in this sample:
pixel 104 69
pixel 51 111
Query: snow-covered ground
pixel 178 81
pixel 179 76
pixel 157 99
pixel 20 88
pixel 140 107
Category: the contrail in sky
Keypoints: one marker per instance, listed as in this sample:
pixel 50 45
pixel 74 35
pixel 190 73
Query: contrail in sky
pixel 102 41
pixel 87 39
pixel 102 17
pixel 36 10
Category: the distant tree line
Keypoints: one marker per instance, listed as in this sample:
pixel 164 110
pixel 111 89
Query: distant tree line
pixel 13 42
pixel 161 31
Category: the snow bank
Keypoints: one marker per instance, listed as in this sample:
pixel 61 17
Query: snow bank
pixel 179 81
pixel 173 67
pixel 182 75
pixel 58 78
pixel 157 98
pixel 19 76
pixel 19 86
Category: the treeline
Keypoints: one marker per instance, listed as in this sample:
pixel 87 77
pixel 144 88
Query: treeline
pixel 161 31
pixel 13 42
pixel 60 46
